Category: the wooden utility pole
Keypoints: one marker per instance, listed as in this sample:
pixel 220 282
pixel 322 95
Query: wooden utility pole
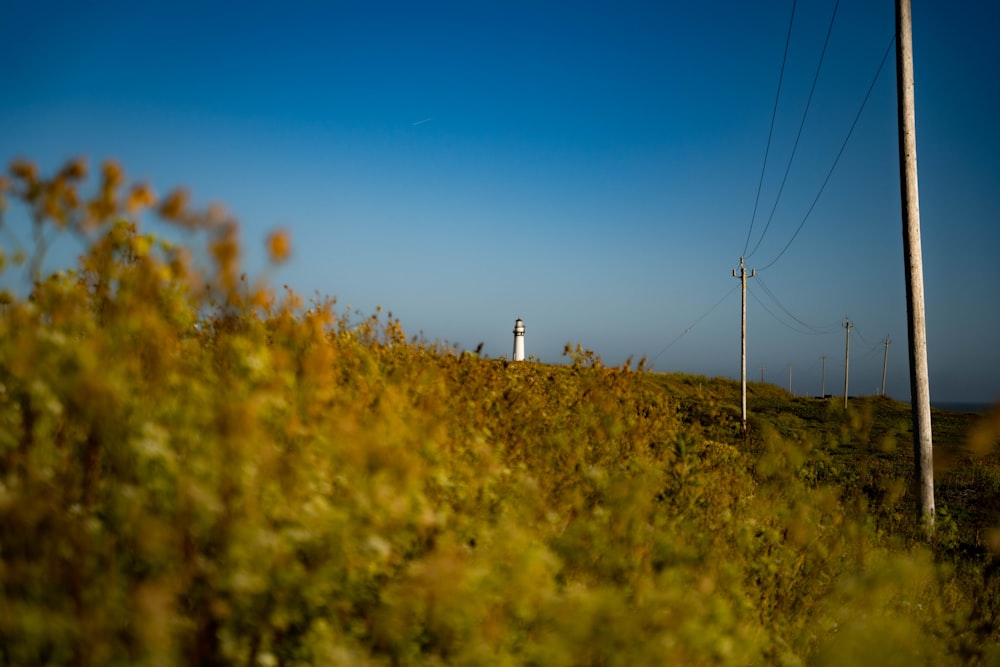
pixel 822 378
pixel 847 357
pixel 762 369
pixel 885 360
pixel 789 378
pixel 743 343
pixel 920 394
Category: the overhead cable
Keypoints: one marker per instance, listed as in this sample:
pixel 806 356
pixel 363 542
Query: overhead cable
pixel 811 329
pixel 692 325
pixel 770 132
pixel 802 124
pixel 840 153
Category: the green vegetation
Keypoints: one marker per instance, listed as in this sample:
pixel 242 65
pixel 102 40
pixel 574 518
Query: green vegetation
pixel 196 470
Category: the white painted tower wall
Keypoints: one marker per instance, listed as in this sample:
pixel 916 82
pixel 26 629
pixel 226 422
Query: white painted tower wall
pixel 519 340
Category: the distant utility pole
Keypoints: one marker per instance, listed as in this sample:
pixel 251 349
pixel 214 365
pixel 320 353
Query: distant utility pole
pixel 789 378
pixel 920 393
pixel 743 343
pixel 822 378
pixel 885 360
pixel 762 369
pixel 847 357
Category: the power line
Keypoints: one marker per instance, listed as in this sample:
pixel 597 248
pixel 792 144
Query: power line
pixel 836 160
pixel 693 324
pixel 811 329
pixel 858 332
pixel 872 350
pixel 777 319
pixel 783 323
pixel 770 132
pixel 802 124
pixel 812 366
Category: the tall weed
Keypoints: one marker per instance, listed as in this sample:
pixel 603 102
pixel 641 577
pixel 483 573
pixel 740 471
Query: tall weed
pixel 194 470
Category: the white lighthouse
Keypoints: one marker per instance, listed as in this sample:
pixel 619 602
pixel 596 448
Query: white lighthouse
pixel 519 340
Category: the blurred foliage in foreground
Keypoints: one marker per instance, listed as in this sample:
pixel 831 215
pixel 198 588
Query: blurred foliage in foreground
pixel 196 471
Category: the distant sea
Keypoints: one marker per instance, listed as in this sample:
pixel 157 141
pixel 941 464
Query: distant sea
pixel 978 408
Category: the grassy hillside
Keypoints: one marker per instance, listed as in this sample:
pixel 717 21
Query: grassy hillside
pixel 867 450
pixel 196 469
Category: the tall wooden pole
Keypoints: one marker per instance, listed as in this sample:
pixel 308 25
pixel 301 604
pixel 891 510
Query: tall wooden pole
pixel 822 381
pixel 743 344
pixel 847 357
pixel 920 394
pixel 885 361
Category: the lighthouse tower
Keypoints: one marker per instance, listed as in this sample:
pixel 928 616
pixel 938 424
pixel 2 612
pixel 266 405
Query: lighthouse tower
pixel 519 340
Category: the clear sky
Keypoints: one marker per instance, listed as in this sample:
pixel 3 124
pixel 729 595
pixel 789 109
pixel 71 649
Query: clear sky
pixel 591 167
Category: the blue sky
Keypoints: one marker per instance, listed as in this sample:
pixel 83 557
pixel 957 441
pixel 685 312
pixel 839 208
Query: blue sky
pixel 591 167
